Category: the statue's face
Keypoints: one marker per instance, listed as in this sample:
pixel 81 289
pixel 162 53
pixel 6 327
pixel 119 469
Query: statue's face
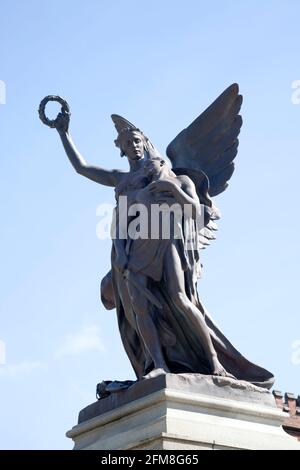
pixel 154 167
pixel 133 145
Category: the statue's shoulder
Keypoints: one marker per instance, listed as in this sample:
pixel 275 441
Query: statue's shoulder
pixel 185 180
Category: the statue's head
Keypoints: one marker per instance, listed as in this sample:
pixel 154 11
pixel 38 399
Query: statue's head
pixel 131 141
pixel 156 166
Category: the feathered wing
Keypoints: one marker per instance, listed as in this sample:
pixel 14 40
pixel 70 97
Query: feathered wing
pixel 205 151
pixel 210 143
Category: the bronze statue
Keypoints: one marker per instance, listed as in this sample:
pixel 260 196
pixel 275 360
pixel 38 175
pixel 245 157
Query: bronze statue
pixel 153 280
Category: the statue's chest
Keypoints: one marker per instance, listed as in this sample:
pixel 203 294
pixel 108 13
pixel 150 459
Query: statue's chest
pixel 130 187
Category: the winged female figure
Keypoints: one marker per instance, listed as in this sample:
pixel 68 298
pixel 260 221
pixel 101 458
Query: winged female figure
pixel 152 283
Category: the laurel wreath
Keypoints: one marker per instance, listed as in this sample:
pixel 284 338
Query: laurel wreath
pixel 64 109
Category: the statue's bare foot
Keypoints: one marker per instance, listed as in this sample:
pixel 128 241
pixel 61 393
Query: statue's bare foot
pixel 219 370
pixel 156 372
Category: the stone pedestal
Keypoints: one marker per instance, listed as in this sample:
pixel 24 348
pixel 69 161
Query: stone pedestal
pixel 184 412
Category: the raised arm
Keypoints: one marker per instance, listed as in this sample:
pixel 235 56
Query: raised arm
pixel 94 173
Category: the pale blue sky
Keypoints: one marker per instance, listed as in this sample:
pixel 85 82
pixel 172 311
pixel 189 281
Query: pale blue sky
pixel 158 63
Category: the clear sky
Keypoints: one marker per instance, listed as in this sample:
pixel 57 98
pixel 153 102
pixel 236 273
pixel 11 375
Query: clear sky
pixel 158 63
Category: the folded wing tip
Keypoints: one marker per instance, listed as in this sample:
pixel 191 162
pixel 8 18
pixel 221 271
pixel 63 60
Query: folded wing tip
pixel 234 87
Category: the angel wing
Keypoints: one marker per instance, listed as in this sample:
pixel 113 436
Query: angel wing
pixel 205 151
pixel 210 143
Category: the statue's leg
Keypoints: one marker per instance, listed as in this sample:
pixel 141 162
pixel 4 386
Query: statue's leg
pixel 121 293
pixel 146 326
pixel 175 285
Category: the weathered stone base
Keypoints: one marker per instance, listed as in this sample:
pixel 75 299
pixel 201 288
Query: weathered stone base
pixel 185 412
